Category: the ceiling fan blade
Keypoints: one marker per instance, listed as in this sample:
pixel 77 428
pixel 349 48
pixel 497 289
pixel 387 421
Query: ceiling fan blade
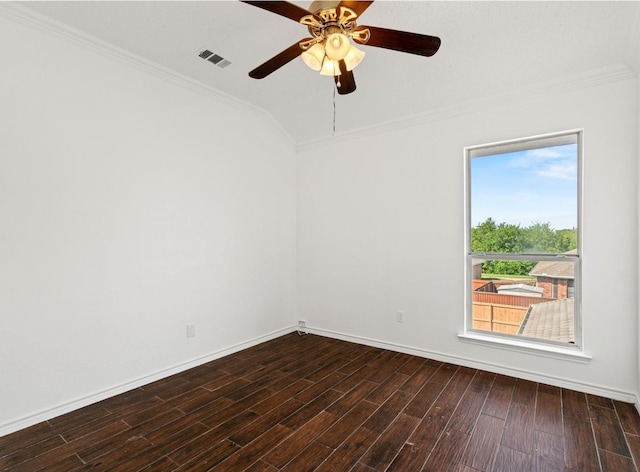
pixel 358 6
pixel 286 9
pixel 277 61
pixel 403 41
pixel 345 82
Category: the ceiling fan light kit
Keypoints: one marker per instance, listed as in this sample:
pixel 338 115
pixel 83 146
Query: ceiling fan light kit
pixel 336 46
pixel 314 57
pixel 332 26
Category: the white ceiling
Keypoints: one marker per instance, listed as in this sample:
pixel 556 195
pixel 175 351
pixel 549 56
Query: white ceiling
pixel 488 49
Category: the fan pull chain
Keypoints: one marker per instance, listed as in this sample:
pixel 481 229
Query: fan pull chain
pixel 334 111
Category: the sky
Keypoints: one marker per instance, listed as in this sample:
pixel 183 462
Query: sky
pixel 526 187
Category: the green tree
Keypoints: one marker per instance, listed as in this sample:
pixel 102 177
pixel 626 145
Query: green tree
pixel 540 238
pixel 490 236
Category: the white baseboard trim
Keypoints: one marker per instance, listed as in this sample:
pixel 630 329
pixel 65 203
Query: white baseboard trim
pixel 58 410
pixel 25 422
pixel 628 397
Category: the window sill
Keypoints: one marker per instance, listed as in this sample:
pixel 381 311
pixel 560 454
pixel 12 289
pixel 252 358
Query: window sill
pixel 566 354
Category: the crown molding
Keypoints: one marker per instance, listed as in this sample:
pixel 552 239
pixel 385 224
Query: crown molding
pixel 17 13
pixel 588 79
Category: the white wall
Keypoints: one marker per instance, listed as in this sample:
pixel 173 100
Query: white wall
pixel 380 229
pixel 129 207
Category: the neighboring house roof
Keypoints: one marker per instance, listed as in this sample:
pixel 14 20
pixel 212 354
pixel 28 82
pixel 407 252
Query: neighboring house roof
pixel 553 269
pixel 479 283
pixel 552 321
pixel 521 289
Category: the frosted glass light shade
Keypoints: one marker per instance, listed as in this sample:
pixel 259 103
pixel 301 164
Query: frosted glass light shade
pixel 313 56
pixel 330 67
pixel 353 58
pixel 337 46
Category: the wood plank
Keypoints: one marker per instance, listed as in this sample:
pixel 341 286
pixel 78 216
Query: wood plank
pixel 385 448
pixel 387 368
pixel 615 463
pixel 351 398
pixel 349 452
pixel 261 466
pixel 385 389
pixel 423 400
pixel 499 397
pixel 247 434
pixel 211 457
pixel 216 417
pixel 484 441
pixel 447 453
pixel 466 415
pixel 524 391
pixel 549 413
pixel 419 378
pixel 213 436
pixel 633 442
pixel 281 396
pixel 309 459
pixel 415 452
pixel 311 409
pixel 548 452
pixel 444 374
pixel 343 428
pixel 518 431
pixel 510 460
pixel 299 440
pixel 628 417
pixel 579 445
pixel 608 431
pixel 314 390
pixel 27 436
pixel 245 457
pixel 574 405
pixel 387 412
pixel 595 400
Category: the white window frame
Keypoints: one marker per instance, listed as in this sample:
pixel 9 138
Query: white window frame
pixel 574 352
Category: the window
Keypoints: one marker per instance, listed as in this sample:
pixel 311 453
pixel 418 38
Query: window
pixel 523 240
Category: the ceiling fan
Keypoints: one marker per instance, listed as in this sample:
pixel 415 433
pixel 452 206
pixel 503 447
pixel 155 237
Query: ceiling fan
pixel 329 50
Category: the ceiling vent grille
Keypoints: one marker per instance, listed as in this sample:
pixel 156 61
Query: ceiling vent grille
pixel 214 58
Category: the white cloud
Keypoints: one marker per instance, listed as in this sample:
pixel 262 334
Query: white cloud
pixel 565 170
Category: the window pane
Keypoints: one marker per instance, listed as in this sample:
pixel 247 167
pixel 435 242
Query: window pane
pixel 537 305
pixel 524 201
pixel 522 210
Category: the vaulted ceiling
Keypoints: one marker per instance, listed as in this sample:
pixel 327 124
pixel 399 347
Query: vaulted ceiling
pixel 489 49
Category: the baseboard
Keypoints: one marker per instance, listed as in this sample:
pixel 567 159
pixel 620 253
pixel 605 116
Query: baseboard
pixel 68 407
pixel 628 397
pixel 58 410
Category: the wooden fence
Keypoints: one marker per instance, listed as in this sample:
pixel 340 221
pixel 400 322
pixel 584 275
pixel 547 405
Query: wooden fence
pixel 501 313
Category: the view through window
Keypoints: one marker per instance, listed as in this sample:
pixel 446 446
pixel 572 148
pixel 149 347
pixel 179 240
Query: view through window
pixel 523 239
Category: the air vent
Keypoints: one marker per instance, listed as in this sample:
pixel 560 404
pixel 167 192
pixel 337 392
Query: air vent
pixel 214 58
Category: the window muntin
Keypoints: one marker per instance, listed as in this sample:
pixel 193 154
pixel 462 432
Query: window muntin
pixel 522 213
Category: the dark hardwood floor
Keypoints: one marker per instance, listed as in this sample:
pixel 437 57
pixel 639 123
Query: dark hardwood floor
pixel 304 403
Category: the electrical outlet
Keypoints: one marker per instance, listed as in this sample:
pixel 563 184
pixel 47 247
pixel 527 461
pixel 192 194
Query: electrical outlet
pixel 191 330
pixel 302 324
pixel 400 316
